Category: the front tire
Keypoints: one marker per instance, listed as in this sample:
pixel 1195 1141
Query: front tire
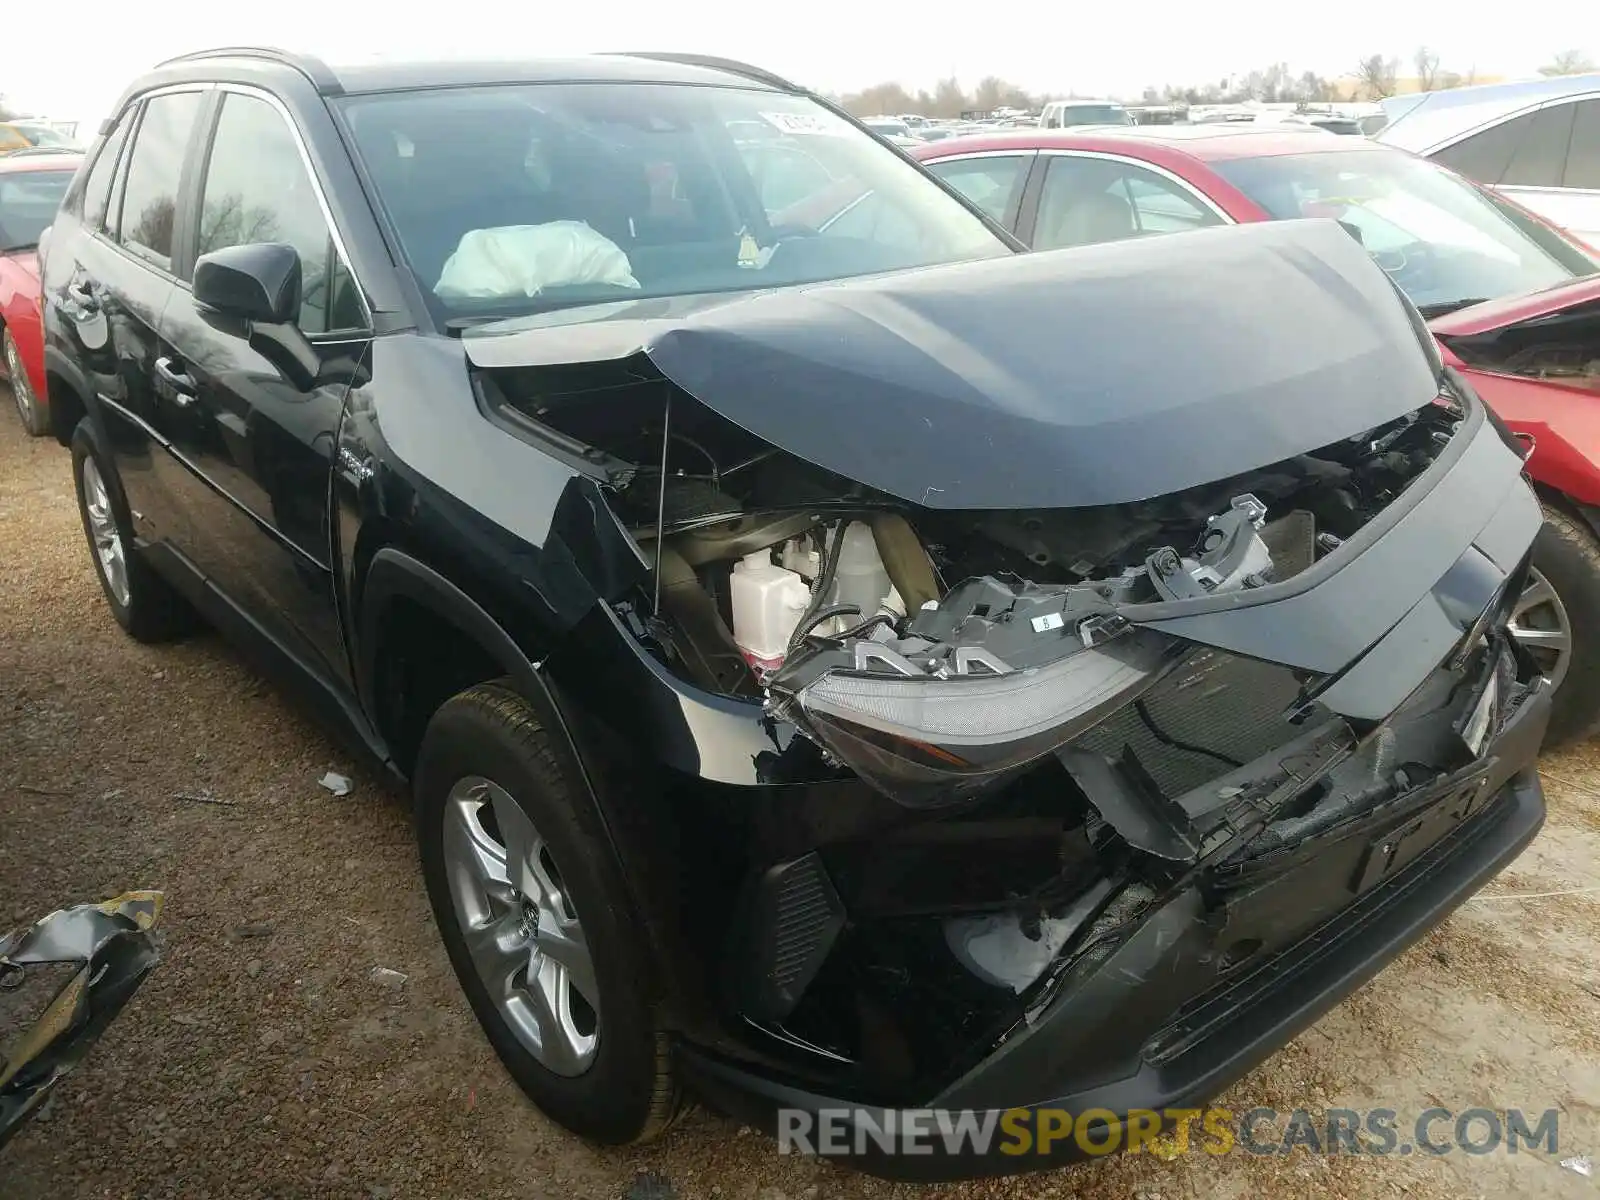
pixel 35 416
pixel 535 917
pixel 1557 620
pixel 143 603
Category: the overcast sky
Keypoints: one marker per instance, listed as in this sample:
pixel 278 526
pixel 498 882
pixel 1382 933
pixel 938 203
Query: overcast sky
pixel 829 45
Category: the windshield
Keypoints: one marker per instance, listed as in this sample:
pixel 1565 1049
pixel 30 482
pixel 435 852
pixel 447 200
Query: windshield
pixel 43 135
pixel 1441 239
pixel 1095 114
pixel 28 203
pixel 516 199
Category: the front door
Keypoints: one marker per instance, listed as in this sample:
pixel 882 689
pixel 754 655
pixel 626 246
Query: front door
pixel 261 441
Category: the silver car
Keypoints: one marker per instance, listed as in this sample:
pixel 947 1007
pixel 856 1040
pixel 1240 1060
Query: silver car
pixel 1538 141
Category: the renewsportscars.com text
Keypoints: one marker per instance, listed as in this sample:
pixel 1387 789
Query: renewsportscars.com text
pixel 1019 1132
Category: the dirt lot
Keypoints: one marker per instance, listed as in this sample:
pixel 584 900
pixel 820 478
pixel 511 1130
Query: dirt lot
pixel 273 1065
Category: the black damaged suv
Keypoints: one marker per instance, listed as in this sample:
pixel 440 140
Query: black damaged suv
pixel 854 664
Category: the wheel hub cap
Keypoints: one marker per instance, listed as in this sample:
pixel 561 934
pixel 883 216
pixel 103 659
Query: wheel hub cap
pixel 108 550
pixel 527 945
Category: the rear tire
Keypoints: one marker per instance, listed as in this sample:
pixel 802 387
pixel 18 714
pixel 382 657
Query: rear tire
pixel 144 604
pixel 485 753
pixel 1567 555
pixel 35 416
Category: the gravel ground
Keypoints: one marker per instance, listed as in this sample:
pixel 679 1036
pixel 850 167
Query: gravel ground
pixel 261 1058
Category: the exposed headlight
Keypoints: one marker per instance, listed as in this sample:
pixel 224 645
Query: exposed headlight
pixel 927 740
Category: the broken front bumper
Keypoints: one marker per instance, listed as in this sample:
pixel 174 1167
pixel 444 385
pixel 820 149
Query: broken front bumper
pixel 110 948
pixel 1170 1018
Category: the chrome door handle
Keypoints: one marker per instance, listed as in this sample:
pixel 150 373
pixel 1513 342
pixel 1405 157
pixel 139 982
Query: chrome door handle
pixel 181 383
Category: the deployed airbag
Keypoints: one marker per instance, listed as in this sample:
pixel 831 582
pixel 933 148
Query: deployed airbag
pixel 524 260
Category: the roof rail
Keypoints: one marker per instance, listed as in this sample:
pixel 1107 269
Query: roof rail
pixel 314 69
pixel 712 63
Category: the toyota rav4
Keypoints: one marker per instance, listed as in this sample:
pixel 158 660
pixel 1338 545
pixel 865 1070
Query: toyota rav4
pixel 864 666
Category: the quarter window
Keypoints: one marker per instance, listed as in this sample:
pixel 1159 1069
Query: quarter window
pixel 97 188
pixel 990 183
pixel 150 193
pixel 257 189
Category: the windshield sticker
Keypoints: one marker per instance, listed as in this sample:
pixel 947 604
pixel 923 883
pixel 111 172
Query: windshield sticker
pixel 816 124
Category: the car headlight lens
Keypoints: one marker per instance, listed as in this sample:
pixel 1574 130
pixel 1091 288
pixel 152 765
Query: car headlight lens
pixel 926 740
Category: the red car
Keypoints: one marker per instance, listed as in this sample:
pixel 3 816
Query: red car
pixel 1514 303
pixel 31 187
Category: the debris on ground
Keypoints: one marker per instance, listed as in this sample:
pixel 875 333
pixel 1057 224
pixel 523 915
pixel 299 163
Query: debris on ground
pixel 1581 1164
pixel 384 977
pixel 251 929
pixel 339 785
pixel 204 796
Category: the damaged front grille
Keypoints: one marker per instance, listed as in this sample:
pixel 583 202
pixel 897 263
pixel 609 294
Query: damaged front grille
pixel 1218 708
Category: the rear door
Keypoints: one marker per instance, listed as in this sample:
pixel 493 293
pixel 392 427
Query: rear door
pixel 260 446
pixel 118 285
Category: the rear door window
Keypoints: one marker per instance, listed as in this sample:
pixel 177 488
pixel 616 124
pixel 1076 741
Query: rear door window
pixel 993 183
pixel 1541 156
pixel 1583 151
pixel 150 192
pixel 1091 200
pixel 1485 156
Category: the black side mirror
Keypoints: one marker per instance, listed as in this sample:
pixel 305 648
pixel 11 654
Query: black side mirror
pixel 258 282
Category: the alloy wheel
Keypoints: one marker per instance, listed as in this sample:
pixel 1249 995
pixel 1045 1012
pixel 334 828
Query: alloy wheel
pixel 521 930
pixel 1540 624
pixel 108 549
pixel 21 389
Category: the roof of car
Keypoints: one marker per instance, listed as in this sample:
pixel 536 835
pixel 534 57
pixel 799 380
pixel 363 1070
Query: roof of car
pixel 15 164
pixel 1209 143
pixel 1426 121
pixel 379 74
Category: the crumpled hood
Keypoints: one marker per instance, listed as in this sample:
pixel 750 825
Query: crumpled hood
pixel 1098 375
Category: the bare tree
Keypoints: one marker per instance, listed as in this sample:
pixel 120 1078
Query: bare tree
pixel 1427 65
pixel 1313 88
pixel 991 93
pixel 1376 74
pixel 1568 62
pixel 883 99
pixel 948 98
